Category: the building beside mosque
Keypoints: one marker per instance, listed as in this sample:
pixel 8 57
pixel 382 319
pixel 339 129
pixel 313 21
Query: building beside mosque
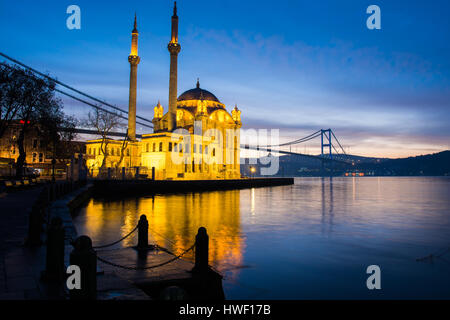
pixel 197 138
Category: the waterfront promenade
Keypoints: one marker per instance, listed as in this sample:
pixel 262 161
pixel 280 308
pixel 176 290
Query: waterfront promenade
pixel 21 266
pixel 17 279
pixel 125 274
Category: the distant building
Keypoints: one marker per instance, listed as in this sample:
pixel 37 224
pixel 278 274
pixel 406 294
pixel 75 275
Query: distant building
pixel 197 138
pixel 39 153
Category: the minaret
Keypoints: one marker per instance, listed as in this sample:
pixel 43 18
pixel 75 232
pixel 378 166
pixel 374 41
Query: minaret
pixel 174 49
pixel 133 59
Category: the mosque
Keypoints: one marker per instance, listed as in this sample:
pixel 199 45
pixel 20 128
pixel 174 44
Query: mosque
pixel 196 139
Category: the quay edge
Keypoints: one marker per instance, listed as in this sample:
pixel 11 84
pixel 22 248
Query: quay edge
pixel 134 187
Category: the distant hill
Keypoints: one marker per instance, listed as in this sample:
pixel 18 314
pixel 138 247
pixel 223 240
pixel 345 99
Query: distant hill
pixel 437 164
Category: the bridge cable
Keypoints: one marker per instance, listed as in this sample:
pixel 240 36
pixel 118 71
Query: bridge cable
pixel 338 142
pixel 69 87
pixel 99 108
pixel 301 140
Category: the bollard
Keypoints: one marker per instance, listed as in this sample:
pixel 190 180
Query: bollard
pixel 143 232
pixel 56 191
pixel 123 173
pixel 51 192
pixel 137 173
pixel 86 259
pixel 34 227
pixel 54 269
pixel 153 173
pixel 109 173
pixel 201 251
pixel 48 193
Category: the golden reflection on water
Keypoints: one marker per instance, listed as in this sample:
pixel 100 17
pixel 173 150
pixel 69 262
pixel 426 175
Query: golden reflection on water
pixel 173 222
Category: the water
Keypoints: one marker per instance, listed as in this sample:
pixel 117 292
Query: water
pixel 312 240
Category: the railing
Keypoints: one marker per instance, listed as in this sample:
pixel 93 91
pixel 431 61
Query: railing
pixel 85 256
pixel 38 215
pixel 122 173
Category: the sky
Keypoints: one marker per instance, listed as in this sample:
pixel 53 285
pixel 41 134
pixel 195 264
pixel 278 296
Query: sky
pixel 298 66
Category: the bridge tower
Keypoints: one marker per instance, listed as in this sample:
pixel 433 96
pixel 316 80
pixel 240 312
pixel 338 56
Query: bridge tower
pixel 325 143
pixel 327 134
pixel 134 60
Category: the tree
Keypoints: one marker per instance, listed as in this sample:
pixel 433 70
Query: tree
pixel 122 150
pixel 11 85
pixel 104 123
pixel 31 99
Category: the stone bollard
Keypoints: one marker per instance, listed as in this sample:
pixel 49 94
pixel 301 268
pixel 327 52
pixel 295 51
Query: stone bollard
pixel 137 173
pixel 43 197
pixel 201 251
pixel 54 268
pixel 51 192
pixel 34 226
pixel 86 259
pixel 143 232
pixel 57 194
pixel 48 194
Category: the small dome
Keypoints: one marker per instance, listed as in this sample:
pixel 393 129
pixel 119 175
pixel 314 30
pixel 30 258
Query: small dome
pixel 197 94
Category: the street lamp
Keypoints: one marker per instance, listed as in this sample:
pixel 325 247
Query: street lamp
pixel 53 169
pixel 252 170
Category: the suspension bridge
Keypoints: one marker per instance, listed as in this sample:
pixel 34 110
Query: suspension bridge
pixel 330 146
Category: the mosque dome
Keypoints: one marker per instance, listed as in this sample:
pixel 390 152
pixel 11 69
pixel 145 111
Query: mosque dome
pixel 198 94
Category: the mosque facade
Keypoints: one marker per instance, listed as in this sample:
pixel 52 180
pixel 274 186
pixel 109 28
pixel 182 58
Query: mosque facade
pixel 196 139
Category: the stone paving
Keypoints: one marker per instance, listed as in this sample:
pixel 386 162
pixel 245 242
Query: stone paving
pixel 16 277
pixel 21 266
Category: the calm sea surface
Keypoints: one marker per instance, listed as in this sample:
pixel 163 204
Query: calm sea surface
pixel 312 240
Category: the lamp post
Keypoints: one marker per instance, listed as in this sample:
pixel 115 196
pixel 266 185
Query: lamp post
pixel 252 170
pixel 53 169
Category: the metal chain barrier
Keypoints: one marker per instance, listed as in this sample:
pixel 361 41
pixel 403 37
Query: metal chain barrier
pixel 159 234
pixel 115 242
pixel 149 267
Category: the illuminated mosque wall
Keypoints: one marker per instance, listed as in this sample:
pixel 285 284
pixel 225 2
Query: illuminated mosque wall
pixel 212 152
